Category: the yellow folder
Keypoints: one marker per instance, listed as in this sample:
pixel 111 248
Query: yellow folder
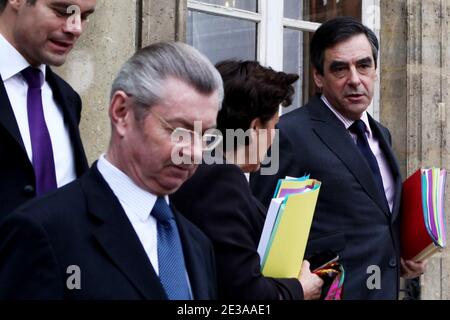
pixel 290 232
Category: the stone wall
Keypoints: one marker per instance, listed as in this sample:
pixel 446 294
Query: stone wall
pixel 393 75
pixel 415 100
pixel 163 20
pixel 428 103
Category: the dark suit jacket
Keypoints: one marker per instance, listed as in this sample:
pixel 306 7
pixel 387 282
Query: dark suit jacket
pixel 83 224
pixel 350 216
pixel 218 200
pixel 17 183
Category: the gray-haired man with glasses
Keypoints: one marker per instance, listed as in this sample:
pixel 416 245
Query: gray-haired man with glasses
pixel 112 234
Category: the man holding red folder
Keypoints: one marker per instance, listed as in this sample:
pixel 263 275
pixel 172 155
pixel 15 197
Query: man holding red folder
pixel 336 141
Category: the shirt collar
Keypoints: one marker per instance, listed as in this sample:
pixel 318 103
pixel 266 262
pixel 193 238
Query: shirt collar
pixel 11 61
pixel 136 199
pixel 346 121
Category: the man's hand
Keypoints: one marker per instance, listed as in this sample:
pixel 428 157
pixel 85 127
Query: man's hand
pixel 311 283
pixel 412 269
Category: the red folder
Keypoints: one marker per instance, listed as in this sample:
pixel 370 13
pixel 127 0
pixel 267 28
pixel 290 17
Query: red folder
pixel 416 242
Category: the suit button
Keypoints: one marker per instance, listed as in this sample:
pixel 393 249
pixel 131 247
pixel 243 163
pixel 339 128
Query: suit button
pixel 393 263
pixel 29 190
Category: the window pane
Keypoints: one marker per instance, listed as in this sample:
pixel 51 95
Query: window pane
pixel 322 10
pixel 222 38
pixel 249 5
pixel 296 60
pixel 293 9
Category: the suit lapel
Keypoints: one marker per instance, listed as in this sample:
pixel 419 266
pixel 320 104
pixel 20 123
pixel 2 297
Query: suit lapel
pixel 71 119
pixel 193 260
pixel 116 236
pixel 334 135
pixel 393 164
pixel 7 117
pixel 63 101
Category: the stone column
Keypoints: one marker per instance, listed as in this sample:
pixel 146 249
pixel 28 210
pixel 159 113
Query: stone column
pixel 108 41
pixel 415 100
pixel 163 20
pixel 427 107
pixel 393 95
pixel 393 79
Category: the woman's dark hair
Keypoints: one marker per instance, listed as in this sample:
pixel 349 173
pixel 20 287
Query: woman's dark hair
pixel 336 31
pixel 251 91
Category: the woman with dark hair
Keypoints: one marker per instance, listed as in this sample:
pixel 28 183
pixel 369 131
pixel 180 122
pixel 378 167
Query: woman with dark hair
pixel 218 198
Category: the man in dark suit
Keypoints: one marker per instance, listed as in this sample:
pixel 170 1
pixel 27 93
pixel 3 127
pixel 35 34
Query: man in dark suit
pixel 39 112
pixel 111 234
pixel 336 141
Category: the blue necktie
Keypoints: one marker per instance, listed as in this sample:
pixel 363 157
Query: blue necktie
pixel 359 128
pixel 41 144
pixel 172 270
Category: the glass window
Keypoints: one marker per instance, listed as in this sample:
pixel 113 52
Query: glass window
pixel 293 9
pixel 295 60
pixel 221 38
pixel 229 34
pixel 321 10
pixel 249 5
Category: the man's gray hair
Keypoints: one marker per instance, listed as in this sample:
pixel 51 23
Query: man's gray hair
pixel 144 75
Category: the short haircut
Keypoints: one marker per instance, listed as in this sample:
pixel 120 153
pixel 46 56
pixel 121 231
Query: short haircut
pixel 336 31
pixel 144 75
pixel 4 2
pixel 251 91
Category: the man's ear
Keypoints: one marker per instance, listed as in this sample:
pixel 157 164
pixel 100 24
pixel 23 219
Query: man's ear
pixel 120 112
pixel 256 124
pixel 318 78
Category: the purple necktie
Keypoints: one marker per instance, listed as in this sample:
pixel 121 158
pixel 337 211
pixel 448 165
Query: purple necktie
pixel 43 162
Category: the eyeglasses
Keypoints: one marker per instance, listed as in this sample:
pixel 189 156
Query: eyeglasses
pixel 183 136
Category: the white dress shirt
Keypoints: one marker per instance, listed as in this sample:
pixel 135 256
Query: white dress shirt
pixel 11 64
pixel 137 204
pixel 383 164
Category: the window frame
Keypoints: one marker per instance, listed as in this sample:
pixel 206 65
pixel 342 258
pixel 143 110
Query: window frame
pixel 270 26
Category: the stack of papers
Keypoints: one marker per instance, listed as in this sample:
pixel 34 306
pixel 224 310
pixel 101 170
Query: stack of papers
pixel 286 229
pixel 423 218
